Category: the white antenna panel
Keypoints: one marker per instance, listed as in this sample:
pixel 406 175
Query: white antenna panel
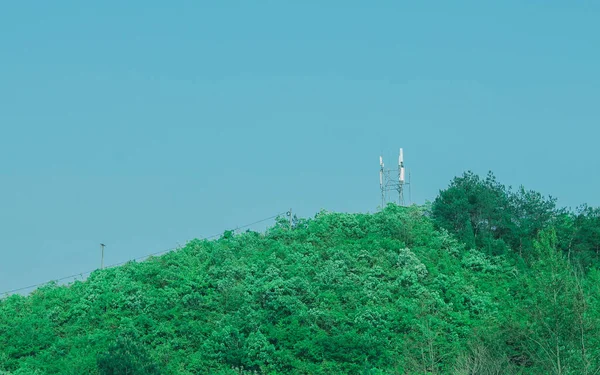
pixel 401 157
pixel 402 174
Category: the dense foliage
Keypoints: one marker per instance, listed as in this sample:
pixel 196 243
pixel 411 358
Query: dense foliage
pixel 482 281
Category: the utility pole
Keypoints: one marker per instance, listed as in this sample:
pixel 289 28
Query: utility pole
pixel 382 185
pixel 409 190
pixel 290 215
pixel 102 259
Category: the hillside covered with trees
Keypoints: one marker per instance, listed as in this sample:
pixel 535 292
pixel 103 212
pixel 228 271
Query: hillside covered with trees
pixel 484 280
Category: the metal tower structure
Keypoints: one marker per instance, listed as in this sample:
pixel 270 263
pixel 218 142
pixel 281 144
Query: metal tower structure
pixel 391 180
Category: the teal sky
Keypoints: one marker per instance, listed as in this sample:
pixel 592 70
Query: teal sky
pixel 142 124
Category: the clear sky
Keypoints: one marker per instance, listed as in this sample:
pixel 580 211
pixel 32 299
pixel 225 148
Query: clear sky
pixel 142 124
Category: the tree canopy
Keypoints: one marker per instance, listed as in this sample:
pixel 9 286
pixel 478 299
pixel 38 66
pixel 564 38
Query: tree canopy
pixel 484 280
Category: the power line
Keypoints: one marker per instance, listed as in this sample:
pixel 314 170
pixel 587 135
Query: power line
pixel 7 293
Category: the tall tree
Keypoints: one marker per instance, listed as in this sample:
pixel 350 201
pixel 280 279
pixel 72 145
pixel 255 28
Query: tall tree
pixel 473 204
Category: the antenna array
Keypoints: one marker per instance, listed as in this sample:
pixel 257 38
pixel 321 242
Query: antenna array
pixel 391 180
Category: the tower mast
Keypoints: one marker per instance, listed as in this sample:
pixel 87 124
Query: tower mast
pixel 389 182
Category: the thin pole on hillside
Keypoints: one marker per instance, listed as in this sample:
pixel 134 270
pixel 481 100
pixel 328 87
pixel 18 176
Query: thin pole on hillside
pixel 381 180
pixel 409 190
pixel 102 259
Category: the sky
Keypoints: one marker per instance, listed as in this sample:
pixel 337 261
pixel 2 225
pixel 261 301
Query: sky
pixel 144 124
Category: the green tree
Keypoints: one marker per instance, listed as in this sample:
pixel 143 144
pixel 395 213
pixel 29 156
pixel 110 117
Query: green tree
pixel 471 204
pixel 127 356
pixel 549 309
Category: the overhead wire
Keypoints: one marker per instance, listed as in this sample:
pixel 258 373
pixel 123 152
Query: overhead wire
pixel 81 274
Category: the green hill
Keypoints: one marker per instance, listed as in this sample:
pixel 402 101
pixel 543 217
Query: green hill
pixel 482 281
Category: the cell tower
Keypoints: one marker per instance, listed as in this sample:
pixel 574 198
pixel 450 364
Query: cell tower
pixel 392 180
